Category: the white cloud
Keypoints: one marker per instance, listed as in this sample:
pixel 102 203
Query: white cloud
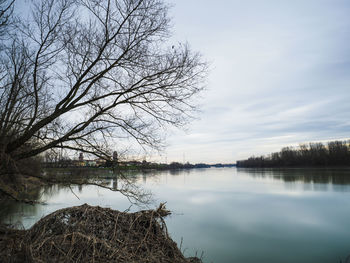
pixel 280 75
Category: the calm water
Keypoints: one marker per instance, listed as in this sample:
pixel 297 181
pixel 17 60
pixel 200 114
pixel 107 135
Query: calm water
pixel 233 215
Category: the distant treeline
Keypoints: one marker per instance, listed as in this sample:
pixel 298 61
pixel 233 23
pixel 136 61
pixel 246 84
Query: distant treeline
pixel 335 153
pixel 129 165
pixel 176 165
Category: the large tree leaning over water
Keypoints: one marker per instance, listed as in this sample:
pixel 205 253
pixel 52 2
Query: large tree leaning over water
pixel 83 74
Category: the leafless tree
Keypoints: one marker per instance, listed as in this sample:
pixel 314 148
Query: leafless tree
pixel 83 75
pixel 6 10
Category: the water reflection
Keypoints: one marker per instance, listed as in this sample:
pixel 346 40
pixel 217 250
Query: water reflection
pixel 13 213
pixel 319 176
pixel 233 215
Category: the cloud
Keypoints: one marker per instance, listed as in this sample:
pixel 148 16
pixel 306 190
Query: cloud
pixel 280 75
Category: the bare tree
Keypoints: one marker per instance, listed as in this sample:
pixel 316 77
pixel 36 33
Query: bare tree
pixel 6 10
pixel 82 75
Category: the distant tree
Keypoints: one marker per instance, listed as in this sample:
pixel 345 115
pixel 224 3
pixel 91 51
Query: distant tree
pixel 335 153
pixel 81 75
pixel 175 165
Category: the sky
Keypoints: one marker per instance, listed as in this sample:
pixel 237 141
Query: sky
pixel 279 76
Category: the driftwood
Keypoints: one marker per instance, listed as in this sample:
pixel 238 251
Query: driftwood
pixel 93 234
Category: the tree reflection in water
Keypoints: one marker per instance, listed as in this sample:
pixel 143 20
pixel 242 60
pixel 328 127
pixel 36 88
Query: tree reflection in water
pixel 318 176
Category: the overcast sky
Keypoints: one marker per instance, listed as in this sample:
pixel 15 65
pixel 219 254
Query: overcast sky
pixel 279 76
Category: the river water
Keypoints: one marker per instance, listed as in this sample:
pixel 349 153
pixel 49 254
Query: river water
pixel 231 215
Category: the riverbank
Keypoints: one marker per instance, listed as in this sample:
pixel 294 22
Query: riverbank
pixel 132 165
pixel 93 234
pixel 332 154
